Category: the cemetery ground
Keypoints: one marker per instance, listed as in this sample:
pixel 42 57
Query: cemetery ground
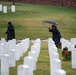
pixel 43 64
pixel 27 21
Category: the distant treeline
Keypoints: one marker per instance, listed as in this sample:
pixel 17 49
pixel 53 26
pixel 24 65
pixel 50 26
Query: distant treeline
pixel 49 2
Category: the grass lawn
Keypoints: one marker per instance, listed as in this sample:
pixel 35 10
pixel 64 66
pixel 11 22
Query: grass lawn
pixel 28 18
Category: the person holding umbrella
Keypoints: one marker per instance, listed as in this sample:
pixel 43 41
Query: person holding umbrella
pixel 10 32
pixel 55 34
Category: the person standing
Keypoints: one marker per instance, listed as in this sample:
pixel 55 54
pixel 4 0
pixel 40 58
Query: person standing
pixel 10 31
pixel 55 34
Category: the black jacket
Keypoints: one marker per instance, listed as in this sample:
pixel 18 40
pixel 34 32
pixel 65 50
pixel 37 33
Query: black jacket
pixel 10 32
pixel 55 35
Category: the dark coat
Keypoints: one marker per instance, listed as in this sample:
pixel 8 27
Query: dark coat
pixel 10 32
pixel 55 35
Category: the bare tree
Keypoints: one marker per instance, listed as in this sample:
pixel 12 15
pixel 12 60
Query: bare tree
pixel 12 1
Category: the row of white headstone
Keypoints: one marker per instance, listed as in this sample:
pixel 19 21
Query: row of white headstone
pixel 4 9
pixel 71 44
pixel 55 62
pixel 30 61
pixel 66 43
pixel 10 52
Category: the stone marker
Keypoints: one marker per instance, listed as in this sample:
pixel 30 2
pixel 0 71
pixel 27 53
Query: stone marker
pixel 28 60
pixel 13 8
pixel 34 48
pixel 55 65
pixel 0 7
pixel 12 43
pixel 23 70
pixel 0 66
pixel 73 58
pixel 59 72
pixel 17 53
pixel 1 50
pixel 12 62
pixel 6 48
pixel 5 65
pixel 73 41
pixel 3 40
pixel 4 9
pixel 52 50
pixel 21 49
pixel 33 54
pixel 54 56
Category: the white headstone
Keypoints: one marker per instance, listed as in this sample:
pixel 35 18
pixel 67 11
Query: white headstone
pixel 52 50
pixel 50 41
pixel 4 9
pixel 12 62
pixel 26 42
pixel 0 7
pixel 1 50
pixel 21 47
pixel 13 8
pixel 29 61
pixel 73 58
pixel 5 65
pixel 59 72
pixel 12 43
pixel 33 54
pixel 6 48
pixel 24 45
pixel 55 65
pixel 3 40
pixel 34 48
pixel 73 41
pixel 23 70
pixel 54 56
pixel 0 66
pixel 17 52
pixel 72 47
pixel 62 40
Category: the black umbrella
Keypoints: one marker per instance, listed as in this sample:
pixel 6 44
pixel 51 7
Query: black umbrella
pixel 50 22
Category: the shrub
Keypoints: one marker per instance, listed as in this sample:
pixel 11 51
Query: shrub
pixel 66 54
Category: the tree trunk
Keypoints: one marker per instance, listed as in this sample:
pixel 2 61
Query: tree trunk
pixel 13 2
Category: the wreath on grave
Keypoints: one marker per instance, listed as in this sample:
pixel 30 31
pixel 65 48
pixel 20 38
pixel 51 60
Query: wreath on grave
pixel 66 54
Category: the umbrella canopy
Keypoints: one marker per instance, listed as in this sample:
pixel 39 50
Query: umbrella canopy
pixel 50 22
